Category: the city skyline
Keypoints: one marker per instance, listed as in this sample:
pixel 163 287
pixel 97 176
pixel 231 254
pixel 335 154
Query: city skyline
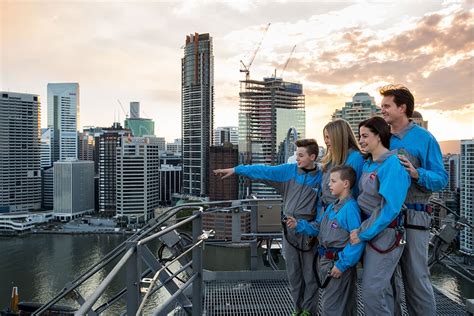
pixel 342 48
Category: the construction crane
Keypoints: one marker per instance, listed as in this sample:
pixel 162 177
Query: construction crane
pixel 246 68
pixel 287 61
pixel 121 106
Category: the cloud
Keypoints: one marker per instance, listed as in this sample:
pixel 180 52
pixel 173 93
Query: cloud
pixel 131 50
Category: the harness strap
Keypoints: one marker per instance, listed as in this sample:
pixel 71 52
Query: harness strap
pixel 328 275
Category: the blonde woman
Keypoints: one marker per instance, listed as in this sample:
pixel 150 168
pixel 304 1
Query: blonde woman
pixel 342 149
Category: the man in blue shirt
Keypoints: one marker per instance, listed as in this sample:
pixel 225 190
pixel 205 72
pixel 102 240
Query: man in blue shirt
pixel 420 154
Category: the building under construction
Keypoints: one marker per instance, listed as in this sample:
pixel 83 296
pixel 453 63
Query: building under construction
pixel 268 109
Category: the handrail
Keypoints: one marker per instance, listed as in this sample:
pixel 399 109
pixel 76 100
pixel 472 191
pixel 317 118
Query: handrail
pixel 173 297
pixel 155 277
pixel 101 288
pixel 111 255
pixel 114 253
pixel 168 229
pixel 139 239
pixel 90 301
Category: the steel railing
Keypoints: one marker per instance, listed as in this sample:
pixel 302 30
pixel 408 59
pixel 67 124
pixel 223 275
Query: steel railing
pixel 133 252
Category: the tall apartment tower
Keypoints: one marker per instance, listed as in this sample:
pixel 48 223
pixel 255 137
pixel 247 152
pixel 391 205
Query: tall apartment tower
pixel 46 148
pixel 361 108
pixel 138 179
pixel 63 119
pixel 86 144
pixel 108 141
pixel 197 112
pixel 47 170
pixel 20 157
pixel 467 194
pixel 226 134
pixel 268 109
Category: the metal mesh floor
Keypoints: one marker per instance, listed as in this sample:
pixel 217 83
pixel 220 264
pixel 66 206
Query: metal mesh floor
pixel 272 297
pixel 265 297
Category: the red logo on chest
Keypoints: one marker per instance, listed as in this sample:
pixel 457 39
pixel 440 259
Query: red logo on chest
pixel 372 176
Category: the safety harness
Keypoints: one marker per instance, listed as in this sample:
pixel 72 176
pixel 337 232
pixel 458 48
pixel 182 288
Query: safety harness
pixel 331 253
pixel 396 224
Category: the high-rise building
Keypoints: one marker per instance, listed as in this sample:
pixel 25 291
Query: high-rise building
pixel 47 188
pixel 361 108
pixel 73 188
pixel 197 112
pixel 467 194
pixel 20 156
pixel 47 170
pixel 108 141
pixel 134 110
pixel 452 166
pixel 46 148
pixel 170 182
pixel 268 109
pixel 86 144
pixel 139 126
pixel 175 147
pixel 450 195
pixel 171 176
pixel 138 179
pixel 222 157
pixel 226 134
pixel 417 118
pixel 63 119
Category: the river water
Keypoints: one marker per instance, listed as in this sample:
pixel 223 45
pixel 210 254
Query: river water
pixel 41 264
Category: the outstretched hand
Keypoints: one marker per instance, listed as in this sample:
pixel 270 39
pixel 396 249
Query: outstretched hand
pixel 224 173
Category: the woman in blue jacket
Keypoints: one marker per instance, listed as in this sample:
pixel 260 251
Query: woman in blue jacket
pixel 342 149
pixel 383 187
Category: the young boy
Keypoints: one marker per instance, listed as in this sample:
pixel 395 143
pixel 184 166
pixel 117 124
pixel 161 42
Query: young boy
pixel 299 186
pixel 337 257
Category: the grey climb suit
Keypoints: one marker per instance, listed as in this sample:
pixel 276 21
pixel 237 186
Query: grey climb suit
pixel 383 187
pixel 422 150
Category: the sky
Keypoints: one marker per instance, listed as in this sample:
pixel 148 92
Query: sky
pixel 131 51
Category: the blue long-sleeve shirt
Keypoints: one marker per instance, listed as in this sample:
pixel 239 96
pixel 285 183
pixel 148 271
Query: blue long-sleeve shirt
pixel 347 218
pixel 299 188
pixel 421 143
pixel 394 182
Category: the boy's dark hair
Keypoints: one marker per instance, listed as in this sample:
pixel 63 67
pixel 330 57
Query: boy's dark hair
pixel 401 95
pixel 310 144
pixel 346 173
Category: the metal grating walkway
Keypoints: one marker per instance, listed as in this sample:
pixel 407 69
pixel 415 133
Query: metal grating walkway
pixel 272 297
pixel 263 297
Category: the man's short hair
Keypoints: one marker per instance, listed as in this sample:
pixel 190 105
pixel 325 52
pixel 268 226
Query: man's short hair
pixel 346 173
pixel 401 95
pixel 310 144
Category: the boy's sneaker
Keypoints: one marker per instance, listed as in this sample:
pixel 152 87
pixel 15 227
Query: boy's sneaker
pixel 305 313
pixel 295 313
